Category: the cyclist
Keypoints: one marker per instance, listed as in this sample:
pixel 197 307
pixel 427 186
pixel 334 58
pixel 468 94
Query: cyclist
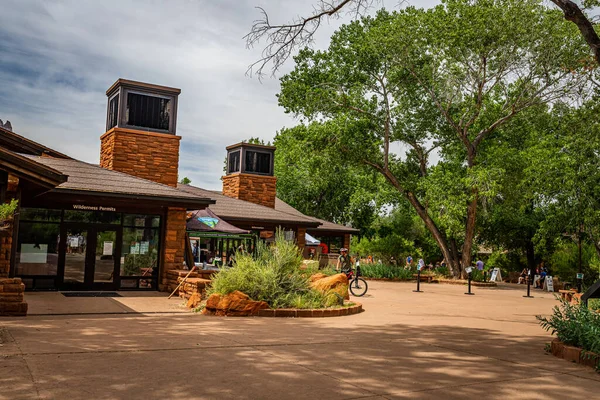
pixel 344 264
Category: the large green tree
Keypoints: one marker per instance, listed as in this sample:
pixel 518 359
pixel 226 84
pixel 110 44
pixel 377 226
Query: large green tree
pixel 313 177
pixel 406 85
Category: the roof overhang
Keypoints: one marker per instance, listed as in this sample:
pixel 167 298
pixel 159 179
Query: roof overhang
pixel 171 201
pixel 30 170
pixel 17 143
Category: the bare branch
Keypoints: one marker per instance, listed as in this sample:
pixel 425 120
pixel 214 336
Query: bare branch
pixel 283 39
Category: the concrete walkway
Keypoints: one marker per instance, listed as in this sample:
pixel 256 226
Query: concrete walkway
pixel 439 344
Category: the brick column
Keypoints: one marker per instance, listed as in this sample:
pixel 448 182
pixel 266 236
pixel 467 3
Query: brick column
pixel 5 247
pixel 257 189
pixel 173 244
pixel 300 238
pixel 347 241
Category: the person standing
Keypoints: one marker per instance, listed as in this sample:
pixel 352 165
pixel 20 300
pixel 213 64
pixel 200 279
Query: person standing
pixel 479 265
pixel 409 261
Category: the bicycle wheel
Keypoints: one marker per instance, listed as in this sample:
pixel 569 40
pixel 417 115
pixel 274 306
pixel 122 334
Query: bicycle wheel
pixel 358 287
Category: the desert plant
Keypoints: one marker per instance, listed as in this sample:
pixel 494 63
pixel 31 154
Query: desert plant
pixel 574 325
pixel 272 275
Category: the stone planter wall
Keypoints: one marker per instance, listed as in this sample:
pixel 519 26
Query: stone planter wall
pixel 311 313
pixel 574 354
pixel 11 297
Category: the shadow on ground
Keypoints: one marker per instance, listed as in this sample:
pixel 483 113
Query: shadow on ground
pixel 189 357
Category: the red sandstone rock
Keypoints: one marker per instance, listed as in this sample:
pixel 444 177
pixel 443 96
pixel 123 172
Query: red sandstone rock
pixel 316 277
pixel 233 304
pixel 194 300
pixel 337 283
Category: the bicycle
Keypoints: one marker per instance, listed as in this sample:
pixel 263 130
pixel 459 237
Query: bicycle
pixel 357 285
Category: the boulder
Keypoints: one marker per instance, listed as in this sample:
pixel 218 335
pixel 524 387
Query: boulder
pixel 233 304
pixel 194 300
pixel 335 283
pixel 318 276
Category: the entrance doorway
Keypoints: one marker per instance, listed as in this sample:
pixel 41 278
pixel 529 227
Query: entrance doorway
pixel 90 257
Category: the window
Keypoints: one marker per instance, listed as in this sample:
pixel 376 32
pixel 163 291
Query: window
pixel 234 162
pixel 113 112
pixel 101 217
pixel 140 252
pixel 39 214
pixel 37 249
pixel 258 162
pixel 148 111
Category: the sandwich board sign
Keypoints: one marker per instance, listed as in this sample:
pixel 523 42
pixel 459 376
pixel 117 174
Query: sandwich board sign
pixel 496 275
pixel 549 284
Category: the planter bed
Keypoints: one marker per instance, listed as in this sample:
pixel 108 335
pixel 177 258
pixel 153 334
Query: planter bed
pixel 574 354
pixel 308 313
pixel 464 282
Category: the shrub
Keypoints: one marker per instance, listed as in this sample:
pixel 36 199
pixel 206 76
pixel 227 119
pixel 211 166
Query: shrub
pixel 574 325
pixel 382 271
pixel 273 275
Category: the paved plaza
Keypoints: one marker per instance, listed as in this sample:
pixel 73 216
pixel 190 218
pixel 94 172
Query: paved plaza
pixel 440 344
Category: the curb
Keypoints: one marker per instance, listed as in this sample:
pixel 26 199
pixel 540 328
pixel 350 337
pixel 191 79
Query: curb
pixel 310 313
pixel 574 354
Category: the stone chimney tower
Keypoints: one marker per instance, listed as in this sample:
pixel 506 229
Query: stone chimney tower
pixel 140 137
pixel 250 174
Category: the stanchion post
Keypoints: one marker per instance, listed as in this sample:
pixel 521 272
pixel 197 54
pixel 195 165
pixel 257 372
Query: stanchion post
pixel 469 277
pixel 528 286
pixel 418 281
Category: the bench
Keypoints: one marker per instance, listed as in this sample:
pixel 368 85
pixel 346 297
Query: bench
pixel 567 294
pixel 424 277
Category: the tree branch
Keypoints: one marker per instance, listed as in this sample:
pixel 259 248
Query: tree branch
pixel 574 14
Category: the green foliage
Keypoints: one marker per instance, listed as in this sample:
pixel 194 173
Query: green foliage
pixel 443 80
pixel 574 325
pixel 185 181
pixel 135 262
pixel 314 179
pixel 382 271
pixel 273 275
pixel 564 262
pixel 7 210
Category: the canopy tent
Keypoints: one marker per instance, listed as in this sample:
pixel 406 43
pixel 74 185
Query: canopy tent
pixel 207 221
pixel 310 240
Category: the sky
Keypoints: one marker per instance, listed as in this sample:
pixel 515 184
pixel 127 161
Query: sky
pixel 57 58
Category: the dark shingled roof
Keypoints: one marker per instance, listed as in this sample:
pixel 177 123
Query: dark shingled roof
pixel 234 209
pixel 84 177
pixel 281 205
pixel 239 210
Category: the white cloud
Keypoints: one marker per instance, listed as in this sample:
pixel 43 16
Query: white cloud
pixel 57 58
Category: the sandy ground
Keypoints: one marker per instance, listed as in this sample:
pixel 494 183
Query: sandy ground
pixel 440 344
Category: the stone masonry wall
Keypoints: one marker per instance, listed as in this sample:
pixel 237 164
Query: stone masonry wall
pixel 173 245
pixel 5 247
pixel 347 241
pixel 300 238
pixel 11 297
pixel 148 155
pixel 256 189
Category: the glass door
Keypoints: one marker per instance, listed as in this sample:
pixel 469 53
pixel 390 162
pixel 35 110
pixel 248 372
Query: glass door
pixel 90 257
pixel 104 257
pixel 76 257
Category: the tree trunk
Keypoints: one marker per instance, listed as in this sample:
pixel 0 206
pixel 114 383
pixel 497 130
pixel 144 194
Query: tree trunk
pixel 469 232
pixel 439 237
pixel 530 251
